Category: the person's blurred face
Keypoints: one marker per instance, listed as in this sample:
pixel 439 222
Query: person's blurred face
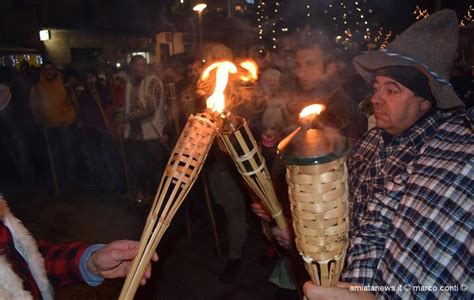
pixel 310 68
pixel 120 82
pixel 271 132
pixel 49 72
pixel 73 81
pixel 138 68
pixel 396 108
pixel 90 77
pixel 173 74
pixel 271 136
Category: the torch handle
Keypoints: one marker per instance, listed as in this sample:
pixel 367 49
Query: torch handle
pixel 249 160
pixel 319 197
pixel 182 170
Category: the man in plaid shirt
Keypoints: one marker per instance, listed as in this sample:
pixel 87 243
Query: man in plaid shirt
pixel 145 119
pixel 411 178
pixel 27 268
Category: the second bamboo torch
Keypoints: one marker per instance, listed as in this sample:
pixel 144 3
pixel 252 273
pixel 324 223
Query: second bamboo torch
pixel 240 142
pixel 316 172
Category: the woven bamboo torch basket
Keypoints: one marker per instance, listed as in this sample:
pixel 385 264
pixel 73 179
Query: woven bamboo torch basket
pixel 181 172
pixel 240 143
pixel 316 174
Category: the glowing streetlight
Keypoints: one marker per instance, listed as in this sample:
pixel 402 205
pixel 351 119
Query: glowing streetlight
pixel 199 7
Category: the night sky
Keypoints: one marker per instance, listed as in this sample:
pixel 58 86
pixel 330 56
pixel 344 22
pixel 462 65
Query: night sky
pixel 147 17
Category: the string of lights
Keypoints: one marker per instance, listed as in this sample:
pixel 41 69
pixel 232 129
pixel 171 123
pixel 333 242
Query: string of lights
pixel 467 18
pixel 308 7
pixel 260 23
pixel 352 22
pixel 270 23
pixel 274 29
pixel 420 13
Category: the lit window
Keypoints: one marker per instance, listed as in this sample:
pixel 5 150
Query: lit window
pixel 44 35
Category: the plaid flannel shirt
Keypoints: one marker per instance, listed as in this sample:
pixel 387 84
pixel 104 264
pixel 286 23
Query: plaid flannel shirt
pixel 411 218
pixel 61 261
pixel 138 111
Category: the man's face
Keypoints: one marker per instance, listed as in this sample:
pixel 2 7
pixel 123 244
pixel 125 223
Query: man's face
pixel 74 81
pixel 90 77
pixel 120 81
pixel 310 68
pixel 138 68
pixel 396 108
pixel 49 72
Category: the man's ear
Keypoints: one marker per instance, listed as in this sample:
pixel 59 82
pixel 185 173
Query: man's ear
pixel 426 105
pixel 331 69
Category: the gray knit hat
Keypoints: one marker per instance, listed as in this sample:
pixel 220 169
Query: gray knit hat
pixel 430 46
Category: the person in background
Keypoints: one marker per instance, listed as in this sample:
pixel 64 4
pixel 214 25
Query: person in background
pixel 99 149
pixel 318 73
pixel 16 127
pixel 226 190
pixel 53 108
pixel 274 129
pixel 117 112
pixel 144 120
pixel 178 81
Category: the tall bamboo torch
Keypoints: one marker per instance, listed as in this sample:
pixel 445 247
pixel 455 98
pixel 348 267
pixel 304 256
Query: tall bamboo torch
pixel 239 140
pixel 315 159
pixel 181 172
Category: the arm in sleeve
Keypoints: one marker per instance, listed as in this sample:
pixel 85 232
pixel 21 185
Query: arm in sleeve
pixel 62 262
pixel 152 97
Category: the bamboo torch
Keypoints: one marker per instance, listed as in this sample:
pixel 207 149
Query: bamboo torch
pixel 181 172
pixel 239 140
pixel 315 159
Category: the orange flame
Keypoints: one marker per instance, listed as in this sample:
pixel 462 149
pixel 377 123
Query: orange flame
pixel 216 102
pixel 252 68
pixel 313 109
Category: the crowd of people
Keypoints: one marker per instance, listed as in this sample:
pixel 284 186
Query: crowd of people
pixel 410 177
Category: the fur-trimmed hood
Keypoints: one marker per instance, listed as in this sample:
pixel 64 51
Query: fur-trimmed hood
pixel 11 285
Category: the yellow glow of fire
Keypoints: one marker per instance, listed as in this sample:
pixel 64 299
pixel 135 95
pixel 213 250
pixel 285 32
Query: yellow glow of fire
pixel 313 109
pixel 216 102
pixel 250 66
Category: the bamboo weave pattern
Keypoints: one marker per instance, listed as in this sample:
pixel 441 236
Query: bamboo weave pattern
pixel 319 204
pixel 181 172
pixel 251 165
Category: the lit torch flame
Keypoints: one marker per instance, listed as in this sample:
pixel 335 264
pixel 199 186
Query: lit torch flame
pixel 306 118
pixel 309 113
pixel 252 68
pixel 313 109
pixel 216 102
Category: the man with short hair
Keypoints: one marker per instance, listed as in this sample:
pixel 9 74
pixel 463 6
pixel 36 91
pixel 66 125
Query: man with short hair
pixel 145 120
pixel 52 107
pixel 411 178
pixel 318 73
